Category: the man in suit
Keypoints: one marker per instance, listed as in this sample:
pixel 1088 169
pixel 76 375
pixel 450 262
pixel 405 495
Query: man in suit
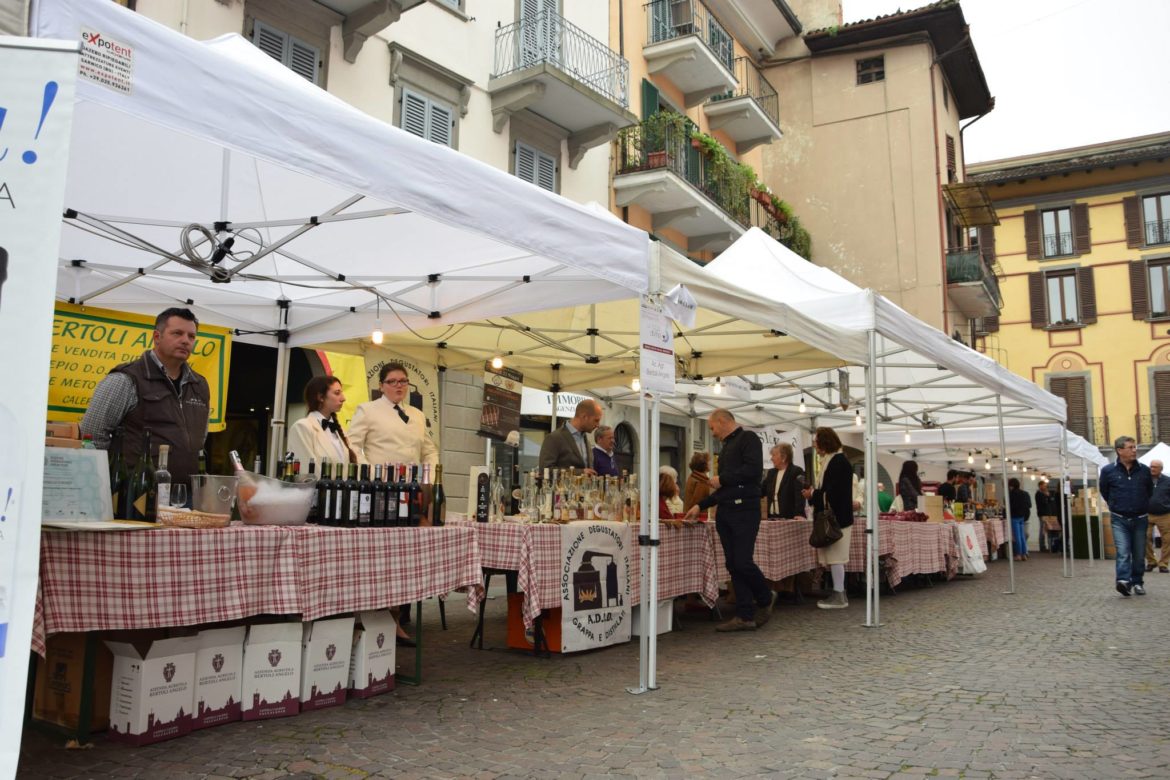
pixel 780 490
pixel 567 447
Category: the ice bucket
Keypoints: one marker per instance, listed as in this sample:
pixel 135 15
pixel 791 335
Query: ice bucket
pixel 213 493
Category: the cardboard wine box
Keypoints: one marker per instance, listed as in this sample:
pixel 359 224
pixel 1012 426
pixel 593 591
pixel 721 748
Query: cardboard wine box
pixel 219 666
pixel 272 671
pixel 152 693
pixel 325 658
pixel 371 664
pixel 59 680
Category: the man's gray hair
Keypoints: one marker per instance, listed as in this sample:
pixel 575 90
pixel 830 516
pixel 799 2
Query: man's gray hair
pixel 785 449
pixel 601 431
pixel 722 414
pixel 1122 441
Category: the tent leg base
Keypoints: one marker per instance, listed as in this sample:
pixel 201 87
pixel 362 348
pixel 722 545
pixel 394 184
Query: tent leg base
pixel 639 690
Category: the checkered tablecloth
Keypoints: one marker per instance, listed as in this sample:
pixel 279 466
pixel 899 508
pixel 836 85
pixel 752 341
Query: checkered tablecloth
pixel 996 531
pixel 686 562
pixel 782 549
pixel 92 580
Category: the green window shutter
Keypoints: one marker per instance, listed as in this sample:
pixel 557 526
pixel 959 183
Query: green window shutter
pixel 649 99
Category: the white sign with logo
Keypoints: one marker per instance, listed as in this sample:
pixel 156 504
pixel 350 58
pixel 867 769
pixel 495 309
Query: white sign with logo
pixel 539 403
pixel 595 585
pixel 36 117
pixel 656 355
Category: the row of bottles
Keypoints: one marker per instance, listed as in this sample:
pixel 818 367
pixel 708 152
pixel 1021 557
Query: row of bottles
pixel 398 495
pixel 563 495
pixel 137 491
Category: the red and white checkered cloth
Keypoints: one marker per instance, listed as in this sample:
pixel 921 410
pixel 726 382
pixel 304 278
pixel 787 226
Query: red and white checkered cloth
pixel 93 581
pixel 782 549
pixel 686 564
pixel 996 530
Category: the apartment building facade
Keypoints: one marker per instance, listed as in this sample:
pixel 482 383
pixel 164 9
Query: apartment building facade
pixel 1084 241
pixel 873 157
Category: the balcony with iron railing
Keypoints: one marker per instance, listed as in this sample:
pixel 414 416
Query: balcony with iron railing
pixel 1058 244
pixel 661 170
pixel 1158 232
pixel 748 114
pixel 554 68
pixel 972 283
pixel 1097 431
pixel 685 43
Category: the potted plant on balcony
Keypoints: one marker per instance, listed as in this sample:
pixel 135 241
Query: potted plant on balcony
pixel 660 133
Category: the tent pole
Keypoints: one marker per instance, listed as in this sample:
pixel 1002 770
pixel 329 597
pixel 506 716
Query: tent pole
pixel 650 608
pixel 280 394
pixel 1007 509
pixel 872 564
pixel 643 560
pixel 1066 555
pixel 1088 526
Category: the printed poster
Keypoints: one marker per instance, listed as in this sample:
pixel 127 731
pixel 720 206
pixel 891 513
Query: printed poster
pixel 502 391
pixel 595 585
pixel 36 117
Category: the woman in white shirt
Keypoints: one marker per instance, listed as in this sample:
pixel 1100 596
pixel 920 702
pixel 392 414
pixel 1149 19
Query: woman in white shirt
pixel 318 435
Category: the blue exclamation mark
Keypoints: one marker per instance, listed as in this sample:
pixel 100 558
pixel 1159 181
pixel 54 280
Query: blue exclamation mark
pixel 7 501
pixel 3 113
pixel 30 156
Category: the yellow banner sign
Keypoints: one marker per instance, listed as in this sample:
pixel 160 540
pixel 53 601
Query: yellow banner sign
pixel 88 342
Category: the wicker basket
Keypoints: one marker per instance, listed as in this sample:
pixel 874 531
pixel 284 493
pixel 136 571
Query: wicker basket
pixel 189 518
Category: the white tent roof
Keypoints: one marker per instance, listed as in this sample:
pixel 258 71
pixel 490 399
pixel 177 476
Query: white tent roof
pixel 1036 446
pixel 1159 451
pixel 920 369
pixel 334 203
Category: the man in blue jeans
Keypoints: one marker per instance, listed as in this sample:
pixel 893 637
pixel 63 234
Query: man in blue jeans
pixel 1126 487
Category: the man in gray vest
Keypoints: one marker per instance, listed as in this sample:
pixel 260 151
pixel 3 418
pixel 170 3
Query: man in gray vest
pixel 158 391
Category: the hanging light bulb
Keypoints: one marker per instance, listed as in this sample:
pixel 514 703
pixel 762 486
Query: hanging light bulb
pixel 636 384
pixel 717 388
pixel 1024 467
pixel 857 419
pixel 802 408
pixel 376 336
pixel 497 362
pixel 987 464
pixel 1033 475
pixel 970 457
pixel 906 436
pixel 1015 466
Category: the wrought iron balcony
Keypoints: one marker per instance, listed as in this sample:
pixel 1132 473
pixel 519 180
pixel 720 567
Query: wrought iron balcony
pixel 1098 430
pixel 660 170
pixel 1058 244
pixel 552 67
pixel 1151 428
pixel 972 284
pixel 686 44
pixel 1158 232
pixel 750 113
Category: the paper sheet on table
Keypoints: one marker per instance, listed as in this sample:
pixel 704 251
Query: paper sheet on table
pixel 99 525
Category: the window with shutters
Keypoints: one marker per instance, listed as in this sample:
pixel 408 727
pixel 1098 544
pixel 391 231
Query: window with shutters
pixel 1158 290
pixel 536 167
pixel 1161 383
pixel 952 162
pixel 1061 291
pixel 296 55
pixel 1156 218
pixel 1075 392
pixel 427 118
pixel 1058 235
pixel 871 69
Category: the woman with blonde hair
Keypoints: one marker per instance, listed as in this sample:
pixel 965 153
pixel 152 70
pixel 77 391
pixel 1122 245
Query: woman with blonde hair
pixel 834 490
pixel 670 504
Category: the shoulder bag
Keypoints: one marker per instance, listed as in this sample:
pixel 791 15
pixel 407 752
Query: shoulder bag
pixel 825 530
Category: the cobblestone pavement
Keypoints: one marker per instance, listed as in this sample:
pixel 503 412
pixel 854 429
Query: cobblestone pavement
pixel 1060 680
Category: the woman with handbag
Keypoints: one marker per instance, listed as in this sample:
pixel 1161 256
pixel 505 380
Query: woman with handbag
pixel 833 493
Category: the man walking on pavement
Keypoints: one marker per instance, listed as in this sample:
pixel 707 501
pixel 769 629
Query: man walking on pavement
pixel 1126 487
pixel 736 491
pixel 1160 517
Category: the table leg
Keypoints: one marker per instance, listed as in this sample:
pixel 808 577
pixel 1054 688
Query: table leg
pixel 416 678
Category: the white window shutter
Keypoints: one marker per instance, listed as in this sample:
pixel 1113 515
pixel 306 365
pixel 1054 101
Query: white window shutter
pixel 526 163
pixel 302 59
pixel 546 172
pixel 269 40
pixel 441 124
pixel 414 114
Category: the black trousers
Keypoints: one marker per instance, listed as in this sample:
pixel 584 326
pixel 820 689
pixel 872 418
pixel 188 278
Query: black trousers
pixel 737 526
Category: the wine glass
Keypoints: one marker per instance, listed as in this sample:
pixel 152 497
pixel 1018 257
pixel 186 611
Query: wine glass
pixel 178 495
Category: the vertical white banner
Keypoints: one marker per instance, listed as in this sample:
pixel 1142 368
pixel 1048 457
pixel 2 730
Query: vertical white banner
pixel 657 353
pixel 36 114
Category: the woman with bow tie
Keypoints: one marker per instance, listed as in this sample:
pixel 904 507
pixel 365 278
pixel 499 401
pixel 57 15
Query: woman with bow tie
pixel 318 435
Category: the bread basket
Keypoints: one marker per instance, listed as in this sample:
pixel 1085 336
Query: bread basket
pixel 189 518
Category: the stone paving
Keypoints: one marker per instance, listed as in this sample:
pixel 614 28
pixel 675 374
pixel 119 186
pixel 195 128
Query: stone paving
pixel 1065 679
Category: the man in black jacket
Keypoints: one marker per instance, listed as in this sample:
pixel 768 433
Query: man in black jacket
pixel 736 491
pixel 782 485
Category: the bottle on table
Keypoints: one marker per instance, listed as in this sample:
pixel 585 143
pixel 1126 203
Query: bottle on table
pixel 256 465
pixel 516 495
pixel 142 496
pixel 202 462
pixel 286 472
pixel 365 497
pixel 340 507
pixel 353 498
pixel 391 518
pixel 319 499
pixel 378 511
pixel 403 497
pixel 162 477
pixel 416 498
pixel 439 500
pixel 119 476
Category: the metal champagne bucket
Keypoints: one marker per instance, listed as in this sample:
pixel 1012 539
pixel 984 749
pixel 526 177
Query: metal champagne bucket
pixel 213 493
